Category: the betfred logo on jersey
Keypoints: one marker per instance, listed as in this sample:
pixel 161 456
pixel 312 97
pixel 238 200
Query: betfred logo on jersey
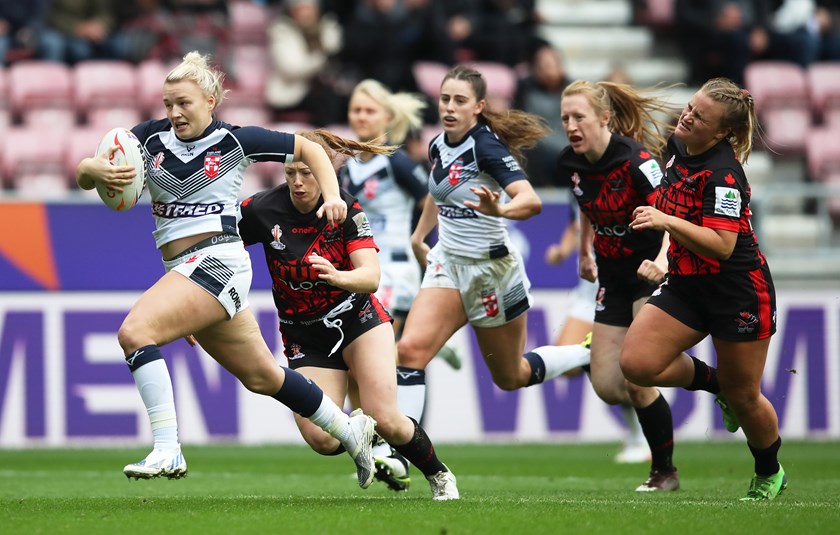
pixel 212 164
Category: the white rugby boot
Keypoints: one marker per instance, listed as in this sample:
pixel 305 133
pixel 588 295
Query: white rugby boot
pixel 166 463
pixel 358 445
pixel 444 486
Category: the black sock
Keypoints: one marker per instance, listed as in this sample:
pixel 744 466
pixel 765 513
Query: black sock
pixel 766 460
pixel 537 368
pixel 705 378
pixel 658 428
pixel 421 452
pixel 299 394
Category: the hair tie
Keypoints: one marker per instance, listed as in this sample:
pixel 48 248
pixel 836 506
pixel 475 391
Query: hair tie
pixel 745 93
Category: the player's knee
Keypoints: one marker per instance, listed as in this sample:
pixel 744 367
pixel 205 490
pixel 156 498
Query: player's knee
pixel 320 442
pixel 410 353
pixel 260 382
pixel 635 370
pixel 508 382
pixel 392 426
pixel 131 336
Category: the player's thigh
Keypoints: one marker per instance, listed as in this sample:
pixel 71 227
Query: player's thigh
pixel 437 313
pixel 655 339
pixel 370 358
pixel 237 344
pixel 573 332
pixel 502 346
pixel 741 364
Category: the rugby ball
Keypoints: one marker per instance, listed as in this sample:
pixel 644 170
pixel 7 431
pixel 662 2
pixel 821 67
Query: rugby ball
pixel 129 152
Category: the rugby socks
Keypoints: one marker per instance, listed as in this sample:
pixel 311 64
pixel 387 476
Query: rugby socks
pixel 766 460
pixel 658 428
pixel 154 384
pixel 548 362
pixel 635 435
pixel 420 452
pixel 307 399
pixel 411 392
pixel 705 377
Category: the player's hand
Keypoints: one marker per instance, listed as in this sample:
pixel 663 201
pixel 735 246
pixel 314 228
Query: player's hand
pixel 651 271
pixel 326 270
pixel 421 251
pixel 588 268
pixel 648 218
pixel 190 339
pixel 488 201
pixel 334 208
pixel 114 177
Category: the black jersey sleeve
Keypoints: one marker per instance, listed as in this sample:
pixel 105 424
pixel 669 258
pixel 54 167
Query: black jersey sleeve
pixel 647 174
pixel 496 160
pixel 248 225
pixel 725 200
pixel 410 175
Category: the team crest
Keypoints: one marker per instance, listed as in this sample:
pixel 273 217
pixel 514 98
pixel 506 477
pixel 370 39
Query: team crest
pixel 576 185
pixel 296 352
pixel 371 185
pixel 365 314
pixel 277 233
pixel 455 171
pixel 212 164
pixel 155 169
pixel 490 302
pixel 746 322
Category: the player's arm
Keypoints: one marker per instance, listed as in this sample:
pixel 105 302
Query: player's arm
pixel 428 221
pixel 705 241
pixel 588 267
pixel 314 156
pixel 363 278
pixel 99 169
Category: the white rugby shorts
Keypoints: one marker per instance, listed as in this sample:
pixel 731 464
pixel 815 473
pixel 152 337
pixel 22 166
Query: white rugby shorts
pixel 399 282
pixel 222 270
pixel 494 292
pixel 582 303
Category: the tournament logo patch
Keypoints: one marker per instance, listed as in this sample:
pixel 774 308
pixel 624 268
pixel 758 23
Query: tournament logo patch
pixel 727 201
pixel 296 352
pixel 455 171
pixel 576 183
pixel 277 233
pixel 652 172
pixel 599 300
pixel 362 225
pixel 155 169
pixel 746 322
pixel 212 164
pixel 490 302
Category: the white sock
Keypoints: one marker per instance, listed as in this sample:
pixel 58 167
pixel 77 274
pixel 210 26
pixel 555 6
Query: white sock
pixel 635 435
pixel 329 417
pixel 411 400
pixel 155 387
pixel 561 359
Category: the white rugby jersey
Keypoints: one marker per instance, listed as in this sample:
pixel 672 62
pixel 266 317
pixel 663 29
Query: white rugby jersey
pixel 194 184
pixel 388 188
pixel 480 158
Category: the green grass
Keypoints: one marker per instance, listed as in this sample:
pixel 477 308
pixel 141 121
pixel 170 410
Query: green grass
pixel 521 489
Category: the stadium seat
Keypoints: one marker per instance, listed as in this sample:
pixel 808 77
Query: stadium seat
pixel 101 84
pixel 150 76
pixel 341 129
pixel 63 119
pixel 248 23
pixel 39 84
pixel 776 83
pixel 29 152
pixel 429 75
pixel 82 144
pixel 253 115
pixel 250 68
pixel 105 119
pixel 824 85
pixel 786 129
pixel 501 83
pixel 822 152
pixel 656 13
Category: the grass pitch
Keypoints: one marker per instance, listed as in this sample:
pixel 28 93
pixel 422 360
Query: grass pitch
pixel 521 489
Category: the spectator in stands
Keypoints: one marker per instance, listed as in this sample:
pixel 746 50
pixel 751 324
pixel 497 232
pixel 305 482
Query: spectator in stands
pixel 506 30
pixel 718 283
pixel 828 22
pixel 447 30
pixel 380 41
pixel 78 30
pixel 139 28
pixel 539 93
pixel 20 25
pixel 301 42
pixel 721 37
pixel 199 25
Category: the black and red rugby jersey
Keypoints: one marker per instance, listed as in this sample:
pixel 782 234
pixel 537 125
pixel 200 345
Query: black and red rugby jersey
pixel 709 190
pixel 290 237
pixel 607 191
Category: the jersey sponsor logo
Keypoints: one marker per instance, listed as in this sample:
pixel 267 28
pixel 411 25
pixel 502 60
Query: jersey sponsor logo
pixel 157 162
pixel 727 201
pixel 212 164
pixel 296 352
pixel 456 212
pixel 188 150
pixel 490 302
pixel 511 163
pixel 611 230
pixel 576 185
pixel 234 296
pixel 652 172
pixel 277 233
pixel 177 210
pixel 455 171
pixel 302 285
pixel 746 322
pixel 362 225
pixel 304 230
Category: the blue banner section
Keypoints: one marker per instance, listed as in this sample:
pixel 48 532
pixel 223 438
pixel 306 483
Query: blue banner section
pixel 83 247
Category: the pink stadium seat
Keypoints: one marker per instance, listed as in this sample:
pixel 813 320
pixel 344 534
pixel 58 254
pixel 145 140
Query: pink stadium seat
pixel 150 76
pixel 63 119
pixel 39 84
pixel 253 115
pixel 822 152
pixel 824 84
pixel 342 130
pixel 429 132
pixel 31 152
pixel 248 23
pixel 658 13
pixel 249 76
pixel 501 83
pixel 3 88
pixel 429 75
pixel 105 119
pixel 82 144
pixel 786 129
pixel 104 84
pixel 776 83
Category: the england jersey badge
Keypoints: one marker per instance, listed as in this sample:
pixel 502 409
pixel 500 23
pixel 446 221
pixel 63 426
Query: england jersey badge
pixel 212 164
